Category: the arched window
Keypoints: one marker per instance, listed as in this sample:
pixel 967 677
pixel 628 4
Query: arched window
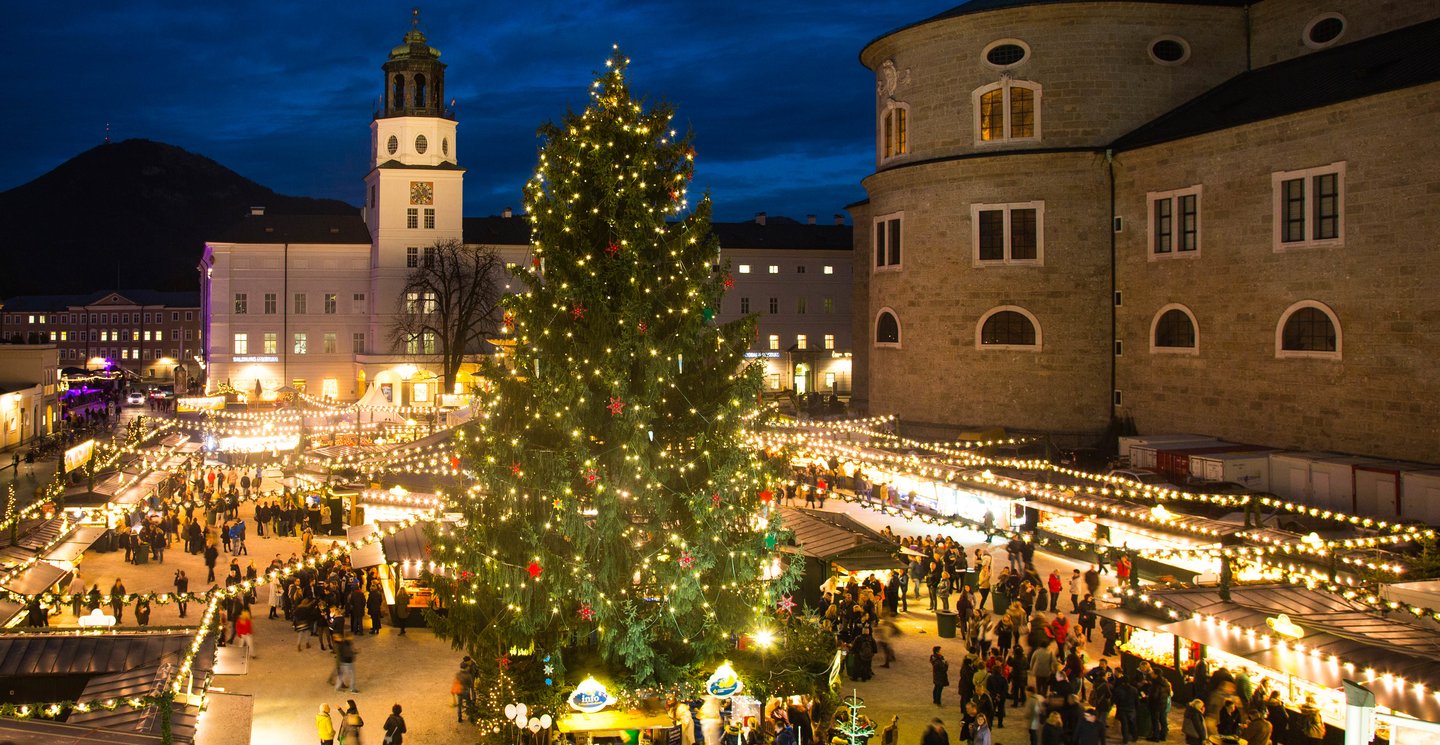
pixel 1308 329
pixel 397 94
pixel 1008 327
pixel 1007 111
pixel 420 100
pixel 895 131
pixel 1174 330
pixel 887 329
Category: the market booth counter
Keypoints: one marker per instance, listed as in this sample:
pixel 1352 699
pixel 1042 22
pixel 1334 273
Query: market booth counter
pixel 835 545
pixel 401 559
pixel 1300 642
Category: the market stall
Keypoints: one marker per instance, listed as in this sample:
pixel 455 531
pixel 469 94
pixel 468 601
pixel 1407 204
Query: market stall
pixel 835 545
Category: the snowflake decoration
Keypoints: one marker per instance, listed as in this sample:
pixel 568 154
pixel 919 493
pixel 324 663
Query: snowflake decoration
pixel 586 612
pixel 715 499
pixel 534 569
pixel 729 281
pixel 577 312
pixel 616 406
pixel 509 319
pixel 613 248
pixel 591 477
pixel 643 327
pixel 504 661
pixel 515 469
pixel 686 560
pixel 549 669
pixel 786 604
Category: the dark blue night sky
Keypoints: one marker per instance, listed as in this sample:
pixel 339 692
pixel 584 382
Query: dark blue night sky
pixel 282 92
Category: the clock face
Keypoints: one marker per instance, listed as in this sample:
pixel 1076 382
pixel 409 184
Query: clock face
pixel 422 192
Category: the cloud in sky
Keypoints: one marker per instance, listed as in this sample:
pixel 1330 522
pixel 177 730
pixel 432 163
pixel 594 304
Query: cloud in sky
pixel 283 93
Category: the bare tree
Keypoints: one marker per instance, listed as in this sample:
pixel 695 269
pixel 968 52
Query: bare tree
pixel 450 304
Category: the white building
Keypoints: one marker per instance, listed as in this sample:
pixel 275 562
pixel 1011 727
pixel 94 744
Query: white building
pixel 308 302
pixel 28 408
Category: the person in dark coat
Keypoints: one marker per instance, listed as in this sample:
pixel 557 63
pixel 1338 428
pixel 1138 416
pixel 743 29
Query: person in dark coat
pixel 395 727
pixel 940 678
pixel 212 554
pixel 375 603
pixel 935 734
pixel 356 606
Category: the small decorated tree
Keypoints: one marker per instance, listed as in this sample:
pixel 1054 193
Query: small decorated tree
pixel 618 513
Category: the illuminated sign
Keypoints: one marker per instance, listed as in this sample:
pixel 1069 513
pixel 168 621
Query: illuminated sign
pixel 590 696
pixel 79 455
pixel 263 358
pixel 724 683
pixel 767 355
pixel 1284 626
pixel 200 403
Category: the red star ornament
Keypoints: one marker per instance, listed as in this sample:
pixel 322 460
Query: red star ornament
pixel 715 499
pixel 515 469
pixel 504 661
pixel 766 495
pixel 591 477
pixel 509 319
pixel 586 612
pixel 577 312
pixel 686 560
pixel 616 406
pixel 642 327
pixel 729 281
pixel 535 262
pixel 786 604
pixel 455 462
pixel 534 570
pixel 613 248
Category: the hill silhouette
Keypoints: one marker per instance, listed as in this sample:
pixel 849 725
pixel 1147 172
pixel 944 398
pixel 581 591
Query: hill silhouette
pixel 128 214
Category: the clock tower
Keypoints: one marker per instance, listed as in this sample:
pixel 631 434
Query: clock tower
pixel 414 192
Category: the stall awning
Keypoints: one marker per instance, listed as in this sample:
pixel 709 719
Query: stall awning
pixel 41 576
pixel 410 548
pixel 613 721
pixel 77 544
pixel 366 556
pixel 1227 639
pixel 839 539
pixel 1132 618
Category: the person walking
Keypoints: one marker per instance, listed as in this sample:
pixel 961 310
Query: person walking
pixel 939 676
pixel 245 633
pixel 375 603
pixel 212 554
pixel 350 723
pixel 325 726
pixel 402 608
pixel 935 734
pixel 117 600
pixel 77 594
pixel 463 689
pixel 345 664
pixel 182 590
pixel 395 727
pixel 1194 726
pixel 1034 713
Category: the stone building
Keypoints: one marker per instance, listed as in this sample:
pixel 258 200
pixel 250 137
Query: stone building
pixel 1212 217
pixel 149 334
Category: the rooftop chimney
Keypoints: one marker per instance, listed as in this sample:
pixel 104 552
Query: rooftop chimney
pixel 839 219
pixel 759 218
pixel 809 219
pixel 507 213
pixel 257 211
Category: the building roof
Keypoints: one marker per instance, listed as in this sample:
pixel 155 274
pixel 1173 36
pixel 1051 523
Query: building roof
pixel 984 6
pixel 782 232
pixel 317 229
pixel 21 303
pixel 496 231
pixel 1388 62
pixel 839 539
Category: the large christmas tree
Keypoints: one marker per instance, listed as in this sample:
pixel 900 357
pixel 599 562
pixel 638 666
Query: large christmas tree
pixel 618 511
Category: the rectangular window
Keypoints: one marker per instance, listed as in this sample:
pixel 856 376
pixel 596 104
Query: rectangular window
pixel 300 304
pixel 1309 207
pixel 799 268
pixel 412 257
pixel 774 341
pixel 800 341
pixel 895 139
pixel 357 303
pixel 1008 233
pixel 430 303
pixel 412 218
pixel 744 305
pixel 774 305
pixel 774 380
pixel 800 305
pixel 174 334
pixel 271 302
pixel 829 305
pixel 174 316
pixel 147 335
pixel 54 336
pixel 124 354
pixel 188 315
pixel 330 343
pixel 829 269
pixel 271 340
pixel 830 380
pixel 744 268
pixel 189 334
pixel 429 218
pixel 357 341
pixel 887 241
pixel 158 335
pixel 412 302
pixel 774 269
pixel 104 335
pixel 331 302
pixel 829 341
pixel 429 256
pixel 301 347
pixel 412 344
pixel 242 304
pixel 1174 223
pixel 242 344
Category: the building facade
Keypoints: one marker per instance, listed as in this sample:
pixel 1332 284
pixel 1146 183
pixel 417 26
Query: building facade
pixel 1188 213
pixel 29 376
pixel 155 335
pixel 310 302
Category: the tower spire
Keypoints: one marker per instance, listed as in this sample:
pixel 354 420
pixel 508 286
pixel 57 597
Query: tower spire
pixel 415 18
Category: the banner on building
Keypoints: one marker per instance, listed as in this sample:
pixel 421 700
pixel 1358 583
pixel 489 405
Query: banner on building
pixel 200 403
pixel 79 455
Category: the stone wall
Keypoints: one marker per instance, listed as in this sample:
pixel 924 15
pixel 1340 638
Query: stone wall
pixel 1383 396
pixel 1277 26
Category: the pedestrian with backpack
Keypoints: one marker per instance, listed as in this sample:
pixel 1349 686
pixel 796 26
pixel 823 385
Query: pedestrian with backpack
pixel 394 727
